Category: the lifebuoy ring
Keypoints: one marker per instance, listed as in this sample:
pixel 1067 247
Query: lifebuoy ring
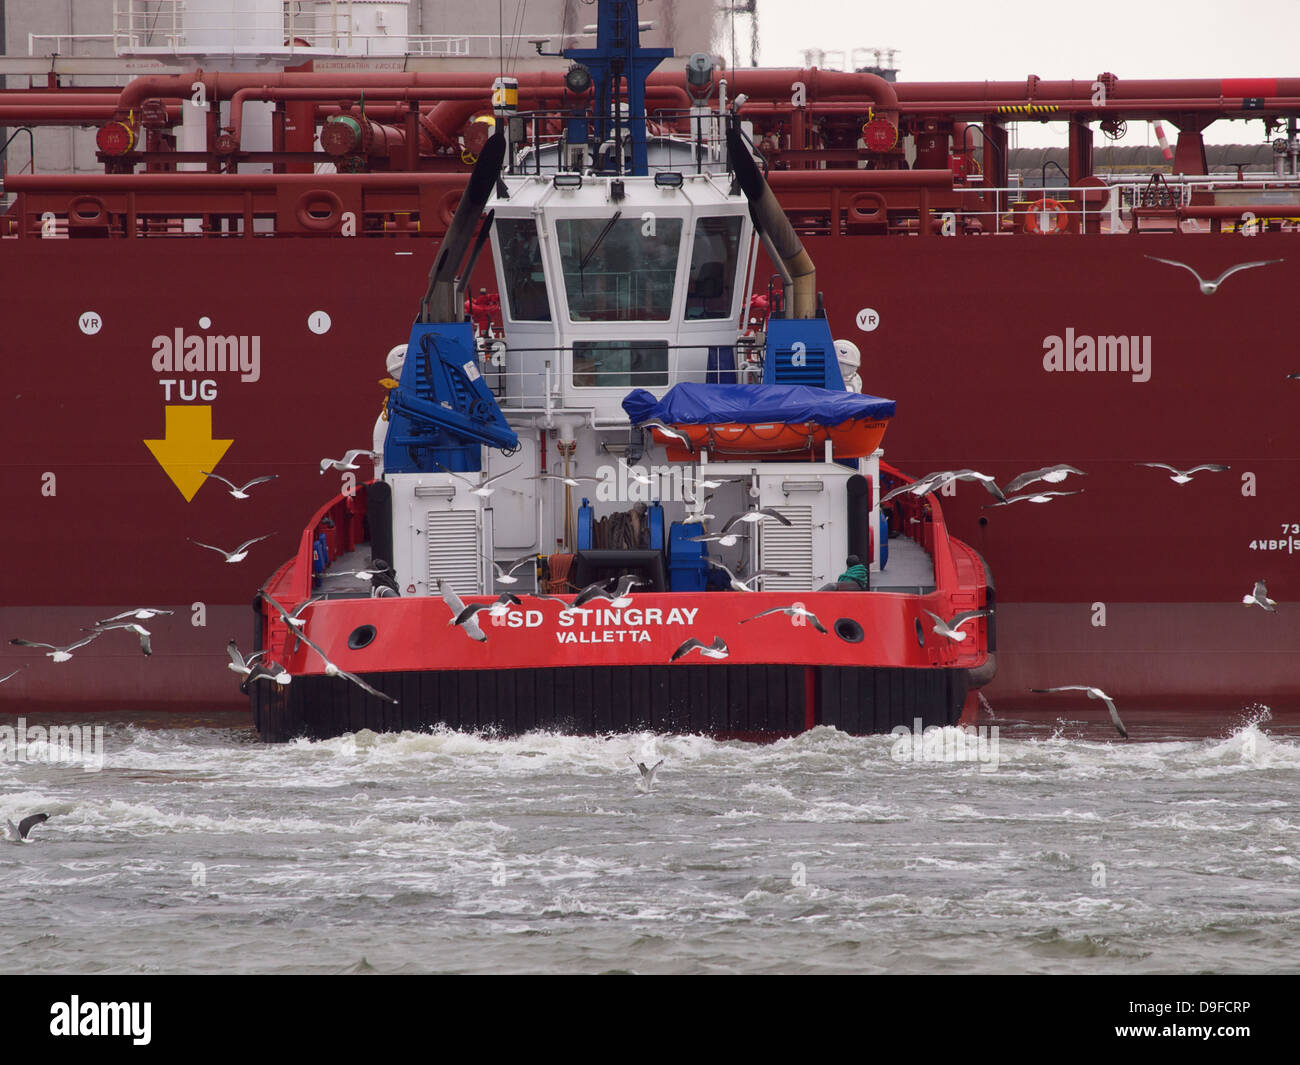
pixel 1046 216
pixel 319 210
pixel 447 208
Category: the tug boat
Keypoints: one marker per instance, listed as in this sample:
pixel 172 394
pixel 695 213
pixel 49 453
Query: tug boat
pixel 624 513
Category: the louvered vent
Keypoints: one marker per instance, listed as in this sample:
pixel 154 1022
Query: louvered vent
pixel 451 538
pixel 788 548
pixel 812 372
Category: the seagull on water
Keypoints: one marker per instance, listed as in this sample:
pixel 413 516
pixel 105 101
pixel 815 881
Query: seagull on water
pixel 617 598
pixel 239 553
pixel 949 628
pixel 484 489
pixel 1033 497
pixel 1208 288
pixel 130 626
pixel 498 608
pixel 795 610
pixel 1183 476
pixel 58 654
pixel 347 462
pixel 241 491
pixel 647 781
pixel 1051 474
pixel 140 613
pixel 1259 597
pixel 456 605
pixel 716 649
pixel 668 430
pixel 331 670
pixel 738 585
pixel 755 515
pixel 18 833
pixel 505 574
pixel 1093 693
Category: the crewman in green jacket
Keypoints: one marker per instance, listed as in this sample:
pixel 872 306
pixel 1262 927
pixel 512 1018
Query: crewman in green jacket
pixel 856 573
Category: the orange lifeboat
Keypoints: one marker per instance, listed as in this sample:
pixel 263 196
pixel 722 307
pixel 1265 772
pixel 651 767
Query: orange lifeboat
pixel 852 439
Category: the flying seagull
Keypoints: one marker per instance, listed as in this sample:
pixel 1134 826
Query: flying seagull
pixel 18 833
pixel 1208 288
pixel 722 539
pixel 707 483
pixel 130 626
pixel 496 609
pixel 949 628
pixel 58 654
pixel 505 574
pixel 456 605
pixel 1259 597
pixel 239 553
pixel 1093 693
pixel 757 514
pixel 573 481
pixel 697 518
pixel 668 430
pixel 293 618
pixel 238 663
pixel 1183 476
pixel 484 489
pixel 1033 497
pixel 331 670
pixel 647 772
pixel 920 487
pixel 241 491
pixel 1051 474
pixel 738 585
pixel 942 480
pixel 716 649
pixel 376 568
pixel 795 610
pixel 13 674
pixel 600 590
pixel 140 613
pixel 347 462
pixel 640 478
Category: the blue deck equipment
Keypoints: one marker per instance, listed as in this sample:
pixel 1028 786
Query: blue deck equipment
pixel 441 410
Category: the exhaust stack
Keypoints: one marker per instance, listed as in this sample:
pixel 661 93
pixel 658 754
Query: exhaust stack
pixel 774 227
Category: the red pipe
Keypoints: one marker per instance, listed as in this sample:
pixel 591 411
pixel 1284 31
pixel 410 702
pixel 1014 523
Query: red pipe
pixel 472 98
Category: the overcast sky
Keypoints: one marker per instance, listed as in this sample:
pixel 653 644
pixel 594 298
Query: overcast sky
pixel 964 40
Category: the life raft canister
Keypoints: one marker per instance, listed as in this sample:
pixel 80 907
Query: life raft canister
pixel 1047 216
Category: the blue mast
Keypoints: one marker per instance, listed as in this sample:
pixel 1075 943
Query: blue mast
pixel 618 58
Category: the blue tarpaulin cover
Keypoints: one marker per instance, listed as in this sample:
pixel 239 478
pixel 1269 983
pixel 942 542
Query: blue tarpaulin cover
pixel 700 404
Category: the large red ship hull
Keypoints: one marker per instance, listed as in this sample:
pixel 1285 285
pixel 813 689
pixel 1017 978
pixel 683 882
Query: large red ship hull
pixel 1134 585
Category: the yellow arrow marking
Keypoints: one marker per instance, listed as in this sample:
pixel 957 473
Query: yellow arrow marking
pixel 187 447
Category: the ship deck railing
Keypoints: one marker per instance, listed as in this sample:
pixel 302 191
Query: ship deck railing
pixel 405 205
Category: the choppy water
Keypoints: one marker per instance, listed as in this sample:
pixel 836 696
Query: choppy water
pixel 198 849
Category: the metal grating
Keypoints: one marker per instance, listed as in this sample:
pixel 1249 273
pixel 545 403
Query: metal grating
pixel 451 540
pixel 788 548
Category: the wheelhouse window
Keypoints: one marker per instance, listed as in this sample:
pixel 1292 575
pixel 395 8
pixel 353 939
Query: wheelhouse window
pixel 521 263
pixel 619 269
pixel 620 363
pixel 714 256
